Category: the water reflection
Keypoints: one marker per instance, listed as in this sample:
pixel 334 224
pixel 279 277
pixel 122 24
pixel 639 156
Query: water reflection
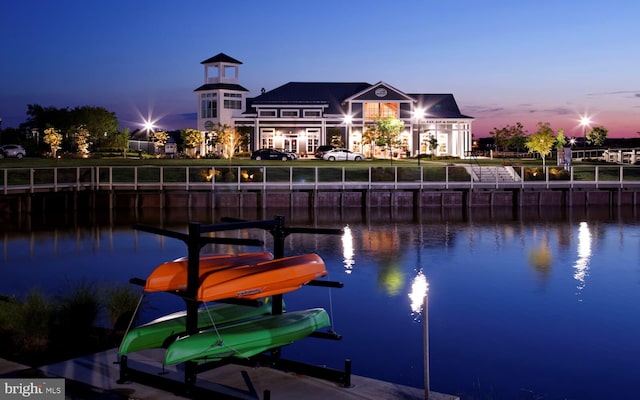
pixel 419 289
pixel 581 266
pixel 487 307
pixel 540 258
pixel 347 250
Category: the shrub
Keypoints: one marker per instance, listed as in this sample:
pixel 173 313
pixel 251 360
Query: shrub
pixel 120 303
pixel 32 319
pixel 76 313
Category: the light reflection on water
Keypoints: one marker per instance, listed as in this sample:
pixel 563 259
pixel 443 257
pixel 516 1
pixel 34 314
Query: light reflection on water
pixel 504 320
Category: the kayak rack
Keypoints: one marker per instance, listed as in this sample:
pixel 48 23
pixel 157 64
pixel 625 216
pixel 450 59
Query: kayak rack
pixel 139 372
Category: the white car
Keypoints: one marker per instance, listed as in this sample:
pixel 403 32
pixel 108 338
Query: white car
pixel 12 150
pixel 343 155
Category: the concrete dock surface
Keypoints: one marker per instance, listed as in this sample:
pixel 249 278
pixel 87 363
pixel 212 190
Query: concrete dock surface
pixel 95 376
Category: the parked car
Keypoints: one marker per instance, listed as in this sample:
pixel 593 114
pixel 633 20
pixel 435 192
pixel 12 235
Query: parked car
pixel 270 154
pixel 323 149
pixel 292 154
pixel 343 155
pixel 12 150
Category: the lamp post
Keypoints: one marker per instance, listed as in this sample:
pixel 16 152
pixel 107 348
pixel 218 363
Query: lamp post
pixel 347 124
pixel 585 121
pixel 418 114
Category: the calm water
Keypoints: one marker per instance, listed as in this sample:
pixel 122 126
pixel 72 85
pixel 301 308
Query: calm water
pixel 543 305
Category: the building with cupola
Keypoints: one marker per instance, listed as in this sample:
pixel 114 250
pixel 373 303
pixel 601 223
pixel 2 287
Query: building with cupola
pixel 300 116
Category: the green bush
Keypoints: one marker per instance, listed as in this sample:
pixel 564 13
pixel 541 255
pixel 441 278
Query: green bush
pixel 76 314
pixel 32 321
pixel 120 303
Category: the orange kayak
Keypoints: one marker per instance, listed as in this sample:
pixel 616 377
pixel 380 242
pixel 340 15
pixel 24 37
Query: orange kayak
pixel 261 280
pixel 172 275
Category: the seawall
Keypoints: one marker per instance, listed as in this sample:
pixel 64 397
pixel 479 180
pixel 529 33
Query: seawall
pixel 317 198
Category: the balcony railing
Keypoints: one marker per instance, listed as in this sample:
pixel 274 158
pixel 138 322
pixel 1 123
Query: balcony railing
pixel 29 180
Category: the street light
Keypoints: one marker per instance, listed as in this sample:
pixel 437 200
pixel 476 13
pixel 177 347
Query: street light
pixel 585 121
pixel 347 125
pixel 418 114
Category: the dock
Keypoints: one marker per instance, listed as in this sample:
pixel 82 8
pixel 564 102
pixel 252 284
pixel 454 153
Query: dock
pixel 96 376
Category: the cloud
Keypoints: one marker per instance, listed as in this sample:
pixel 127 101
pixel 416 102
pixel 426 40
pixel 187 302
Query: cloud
pixel 635 93
pixel 559 111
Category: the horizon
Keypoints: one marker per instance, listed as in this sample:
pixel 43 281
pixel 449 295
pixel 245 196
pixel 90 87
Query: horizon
pixel 549 62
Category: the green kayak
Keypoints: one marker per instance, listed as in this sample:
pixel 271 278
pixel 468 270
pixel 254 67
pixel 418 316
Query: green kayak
pixel 155 333
pixel 248 338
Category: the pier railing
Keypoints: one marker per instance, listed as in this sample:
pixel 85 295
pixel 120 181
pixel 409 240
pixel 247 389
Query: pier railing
pixel 29 180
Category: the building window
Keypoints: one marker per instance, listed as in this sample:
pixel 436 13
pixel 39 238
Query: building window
pixel 312 113
pixel 373 111
pixel 233 104
pixel 289 113
pixel 312 140
pixel 267 138
pixel 267 113
pixel 208 105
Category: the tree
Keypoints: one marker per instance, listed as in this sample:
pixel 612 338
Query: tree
pixel 388 130
pixel 597 135
pixel 159 138
pixel 82 140
pixel 335 137
pixel 433 144
pixel 541 141
pixel 121 141
pixel 230 139
pixel 368 138
pixel 191 139
pixel 561 140
pixel 98 121
pixel 53 138
pixel 509 137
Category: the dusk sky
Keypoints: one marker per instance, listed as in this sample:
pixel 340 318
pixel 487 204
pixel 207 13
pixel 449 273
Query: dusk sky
pixel 505 61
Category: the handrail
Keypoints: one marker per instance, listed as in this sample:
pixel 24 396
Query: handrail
pixel 31 180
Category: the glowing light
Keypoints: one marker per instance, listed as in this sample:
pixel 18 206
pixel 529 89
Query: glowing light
pixel 418 113
pixel 419 289
pixel 585 121
pixel 584 255
pixel 347 119
pixel 148 126
pixel 347 250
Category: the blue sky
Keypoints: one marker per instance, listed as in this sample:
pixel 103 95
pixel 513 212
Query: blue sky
pixel 505 61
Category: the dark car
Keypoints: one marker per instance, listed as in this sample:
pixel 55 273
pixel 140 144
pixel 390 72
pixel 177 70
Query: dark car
pixel 323 149
pixel 270 154
pixel 12 150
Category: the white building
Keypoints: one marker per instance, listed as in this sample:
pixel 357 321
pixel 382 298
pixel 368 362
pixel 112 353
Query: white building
pixel 300 116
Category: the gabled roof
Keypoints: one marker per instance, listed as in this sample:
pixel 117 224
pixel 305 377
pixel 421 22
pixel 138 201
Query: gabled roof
pixel 438 105
pixel 329 94
pixel 332 96
pixel 369 93
pixel 221 57
pixel 224 86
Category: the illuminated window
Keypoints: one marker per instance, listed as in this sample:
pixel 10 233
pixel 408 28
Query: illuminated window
pixel 289 113
pixel 373 111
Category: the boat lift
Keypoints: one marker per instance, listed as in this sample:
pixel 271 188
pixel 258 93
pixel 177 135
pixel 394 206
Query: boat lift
pixel 195 241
